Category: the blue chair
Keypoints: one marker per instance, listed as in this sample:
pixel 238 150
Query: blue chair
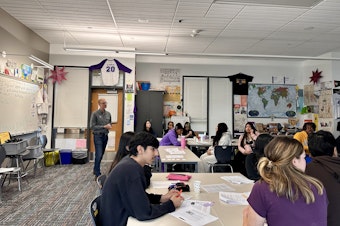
pixel 224 155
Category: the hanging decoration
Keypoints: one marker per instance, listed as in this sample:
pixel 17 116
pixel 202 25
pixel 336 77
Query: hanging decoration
pixel 58 75
pixel 316 76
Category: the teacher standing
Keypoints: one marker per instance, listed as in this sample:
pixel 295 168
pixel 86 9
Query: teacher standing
pixel 100 124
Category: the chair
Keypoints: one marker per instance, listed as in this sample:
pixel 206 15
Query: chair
pixel 223 156
pixel 94 209
pixel 4 171
pixel 100 181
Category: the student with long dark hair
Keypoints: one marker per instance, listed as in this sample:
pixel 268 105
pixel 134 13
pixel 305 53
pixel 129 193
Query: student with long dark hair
pixel 123 148
pixel 222 137
pixel 148 128
pixel 123 151
pixel 258 152
pixel 246 143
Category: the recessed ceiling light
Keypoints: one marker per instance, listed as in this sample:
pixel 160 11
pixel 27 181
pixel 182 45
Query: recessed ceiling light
pixel 309 28
pixel 143 21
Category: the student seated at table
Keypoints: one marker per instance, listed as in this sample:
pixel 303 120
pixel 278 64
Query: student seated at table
pixel 148 128
pixel 222 137
pixel 285 195
pixel 171 137
pixel 302 136
pixel 258 152
pixel 124 195
pixel 246 143
pixel 170 127
pixel 187 131
pixel 325 166
pixel 123 152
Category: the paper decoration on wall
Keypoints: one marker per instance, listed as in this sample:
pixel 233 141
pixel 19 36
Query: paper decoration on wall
pixel 26 70
pixel 58 75
pixel 170 75
pixel 316 76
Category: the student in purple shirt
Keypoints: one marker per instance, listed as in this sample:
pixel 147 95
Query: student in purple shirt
pixel 285 195
pixel 170 138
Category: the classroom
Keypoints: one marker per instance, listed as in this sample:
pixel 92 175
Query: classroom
pixel 204 62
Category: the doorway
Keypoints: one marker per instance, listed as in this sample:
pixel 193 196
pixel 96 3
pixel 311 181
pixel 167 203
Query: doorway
pixel 117 116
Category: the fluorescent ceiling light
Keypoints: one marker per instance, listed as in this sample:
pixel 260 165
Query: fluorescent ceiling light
pixel 40 61
pixel 151 54
pixel 284 3
pixel 113 50
pixel 75 49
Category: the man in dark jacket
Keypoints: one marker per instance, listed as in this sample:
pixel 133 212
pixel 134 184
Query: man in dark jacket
pixel 124 195
pixel 325 166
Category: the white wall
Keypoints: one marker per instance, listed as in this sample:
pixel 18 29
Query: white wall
pixel 148 68
pixel 60 57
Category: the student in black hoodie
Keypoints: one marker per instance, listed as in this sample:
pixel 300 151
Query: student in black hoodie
pixel 124 195
pixel 325 166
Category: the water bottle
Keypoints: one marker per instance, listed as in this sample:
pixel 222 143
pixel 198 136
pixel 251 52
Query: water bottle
pixel 183 142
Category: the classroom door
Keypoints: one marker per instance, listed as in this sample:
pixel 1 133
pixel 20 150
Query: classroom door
pixel 117 116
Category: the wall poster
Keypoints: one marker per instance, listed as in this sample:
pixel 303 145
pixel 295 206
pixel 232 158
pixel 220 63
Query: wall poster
pixel 240 114
pixel 271 100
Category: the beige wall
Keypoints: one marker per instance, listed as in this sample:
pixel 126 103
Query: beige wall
pixel 17 39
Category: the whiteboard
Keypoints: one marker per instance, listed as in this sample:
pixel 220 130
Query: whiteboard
pixel 18 113
pixel 220 103
pixel 71 99
pixel 195 102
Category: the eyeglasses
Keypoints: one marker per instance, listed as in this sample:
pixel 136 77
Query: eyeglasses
pixel 104 103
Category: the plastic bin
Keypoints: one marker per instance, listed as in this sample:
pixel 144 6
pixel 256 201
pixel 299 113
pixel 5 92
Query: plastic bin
pixel 15 148
pixel 145 85
pixel 65 156
pixel 51 157
pixel 79 156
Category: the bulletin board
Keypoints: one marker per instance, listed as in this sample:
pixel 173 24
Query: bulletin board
pixel 18 112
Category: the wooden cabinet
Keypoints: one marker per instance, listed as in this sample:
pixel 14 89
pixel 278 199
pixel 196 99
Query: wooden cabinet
pixel 149 106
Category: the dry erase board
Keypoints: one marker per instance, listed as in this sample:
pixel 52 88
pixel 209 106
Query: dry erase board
pixel 18 113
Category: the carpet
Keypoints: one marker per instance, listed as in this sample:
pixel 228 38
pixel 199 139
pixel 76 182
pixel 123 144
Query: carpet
pixel 60 196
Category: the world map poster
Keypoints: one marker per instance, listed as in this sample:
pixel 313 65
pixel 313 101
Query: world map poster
pixel 271 100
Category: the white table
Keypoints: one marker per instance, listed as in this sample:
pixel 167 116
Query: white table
pixel 228 214
pixel 199 143
pixel 192 142
pixel 168 159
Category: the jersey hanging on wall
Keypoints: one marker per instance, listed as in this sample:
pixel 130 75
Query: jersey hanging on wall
pixel 110 71
pixel 240 83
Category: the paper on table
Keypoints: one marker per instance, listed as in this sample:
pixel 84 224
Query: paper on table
pixel 237 179
pixel 173 151
pixel 210 188
pixel 203 206
pixel 234 198
pixel 174 156
pixel 162 184
pixel 193 216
